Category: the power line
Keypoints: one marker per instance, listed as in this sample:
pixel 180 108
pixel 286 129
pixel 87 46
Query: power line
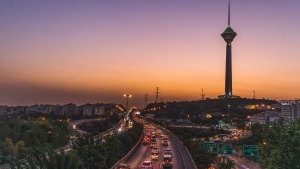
pixel 202 95
pixel 157 94
pixel 145 99
pixel 202 104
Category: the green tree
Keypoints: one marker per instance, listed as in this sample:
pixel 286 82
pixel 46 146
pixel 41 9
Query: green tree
pixel 256 137
pixel 281 146
pixel 22 151
pixel 114 148
pixel 200 156
pixel 86 139
pixel 50 159
pixel 226 164
pixel 9 149
pixel 93 156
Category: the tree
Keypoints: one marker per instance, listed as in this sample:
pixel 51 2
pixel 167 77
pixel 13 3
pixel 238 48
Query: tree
pixel 22 151
pixel 226 164
pixel 200 156
pixel 281 145
pixel 93 156
pixel 9 149
pixel 256 137
pixel 114 148
pixel 50 159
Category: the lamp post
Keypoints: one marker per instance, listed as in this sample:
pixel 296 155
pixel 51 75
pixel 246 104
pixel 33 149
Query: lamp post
pixel 127 96
pixel 165 116
pixel 228 110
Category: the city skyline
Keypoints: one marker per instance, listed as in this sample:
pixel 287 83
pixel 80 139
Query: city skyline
pixel 60 52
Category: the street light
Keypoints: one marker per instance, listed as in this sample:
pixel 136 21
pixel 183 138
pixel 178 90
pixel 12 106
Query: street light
pixel 127 96
pixel 228 110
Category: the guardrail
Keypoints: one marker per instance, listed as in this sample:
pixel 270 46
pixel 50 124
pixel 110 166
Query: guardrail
pixel 158 126
pixel 129 153
pixel 194 164
pixel 184 162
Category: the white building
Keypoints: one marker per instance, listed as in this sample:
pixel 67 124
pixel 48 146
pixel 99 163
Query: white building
pixel 99 110
pixel 71 109
pixel 267 117
pixel 296 109
pixel 289 110
pixel 32 109
pixel 3 109
pixel 87 110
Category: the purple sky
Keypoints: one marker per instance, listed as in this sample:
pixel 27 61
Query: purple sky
pixel 58 52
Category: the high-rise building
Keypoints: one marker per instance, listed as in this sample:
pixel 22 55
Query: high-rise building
pixel 228 35
pixel 286 110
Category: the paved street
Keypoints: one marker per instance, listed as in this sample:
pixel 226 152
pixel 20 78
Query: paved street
pixel 242 163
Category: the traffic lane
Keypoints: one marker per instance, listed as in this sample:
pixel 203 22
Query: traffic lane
pixel 136 158
pixel 143 153
pixel 176 160
pixel 242 163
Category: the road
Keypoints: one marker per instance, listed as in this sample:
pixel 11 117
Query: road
pixel 143 153
pixel 119 127
pixel 181 157
pixel 242 163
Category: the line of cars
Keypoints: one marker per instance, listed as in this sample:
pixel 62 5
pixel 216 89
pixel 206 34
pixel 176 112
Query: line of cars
pixel 151 133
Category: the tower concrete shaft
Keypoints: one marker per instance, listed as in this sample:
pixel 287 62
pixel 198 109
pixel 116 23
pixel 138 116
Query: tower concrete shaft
pixel 228 73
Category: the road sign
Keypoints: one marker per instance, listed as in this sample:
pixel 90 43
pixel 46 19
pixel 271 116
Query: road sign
pixel 225 149
pixel 250 150
pixel 210 147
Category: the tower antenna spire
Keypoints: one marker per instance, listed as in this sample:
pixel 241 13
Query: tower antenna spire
pixel 229 13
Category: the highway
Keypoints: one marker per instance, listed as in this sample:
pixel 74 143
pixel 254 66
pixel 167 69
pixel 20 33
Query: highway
pixel 242 163
pixel 181 157
pixel 143 153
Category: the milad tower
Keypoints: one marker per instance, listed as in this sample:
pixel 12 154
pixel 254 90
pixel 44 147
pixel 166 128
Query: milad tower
pixel 228 35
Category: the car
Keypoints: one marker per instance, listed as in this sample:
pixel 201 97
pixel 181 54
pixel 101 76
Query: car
pixel 147 164
pixel 145 142
pixel 154 156
pixel 165 143
pixel 155 150
pixel 168 151
pixel 165 137
pixel 153 139
pixel 167 161
pixel 123 166
pixel 153 144
pixel 154 133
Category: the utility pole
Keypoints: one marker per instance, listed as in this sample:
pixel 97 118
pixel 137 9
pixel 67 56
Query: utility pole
pixel 254 94
pixel 156 94
pixel 228 110
pixel 164 116
pixel 145 99
pixel 202 95
pixel 202 103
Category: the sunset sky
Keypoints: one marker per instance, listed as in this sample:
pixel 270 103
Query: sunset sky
pixel 58 52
